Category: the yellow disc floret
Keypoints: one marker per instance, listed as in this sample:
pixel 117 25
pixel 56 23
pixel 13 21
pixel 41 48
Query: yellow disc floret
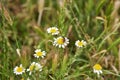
pixel 53 30
pixel 19 69
pixel 22 79
pixel 32 67
pixel 80 43
pixel 39 53
pixel 60 40
pixel 97 67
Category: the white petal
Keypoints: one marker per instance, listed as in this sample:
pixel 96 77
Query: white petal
pixel 63 46
pixel 100 71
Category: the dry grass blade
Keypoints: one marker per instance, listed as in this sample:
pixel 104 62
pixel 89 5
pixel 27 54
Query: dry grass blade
pixel 40 10
pixel 115 14
pixel 6 14
pixel 114 68
pixel 61 3
pixel 103 51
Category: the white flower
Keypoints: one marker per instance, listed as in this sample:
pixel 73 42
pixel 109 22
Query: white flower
pixel 39 53
pixel 61 42
pixel 53 30
pixel 97 69
pixel 34 67
pixel 79 43
pixel 28 78
pixel 19 70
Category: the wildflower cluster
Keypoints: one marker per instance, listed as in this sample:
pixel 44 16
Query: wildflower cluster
pixel 34 66
pixel 61 41
pixel 58 41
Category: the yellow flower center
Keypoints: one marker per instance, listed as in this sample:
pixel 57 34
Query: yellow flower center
pixel 53 30
pixel 97 67
pixel 22 79
pixel 60 41
pixel 19 69
pixel 39 53
pixel 80 43
pixel 32 67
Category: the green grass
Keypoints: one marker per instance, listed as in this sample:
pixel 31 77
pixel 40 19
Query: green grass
pixel 94 21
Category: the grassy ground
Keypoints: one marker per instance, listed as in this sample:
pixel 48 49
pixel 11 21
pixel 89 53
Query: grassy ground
pixel 23 26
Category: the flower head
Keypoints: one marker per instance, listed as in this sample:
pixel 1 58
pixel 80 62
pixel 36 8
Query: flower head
pixel 79 43
pixel 61 42
pixel 39 53
pixel 34 67
pixel 97 69
pixel 53 30
pixel 19 70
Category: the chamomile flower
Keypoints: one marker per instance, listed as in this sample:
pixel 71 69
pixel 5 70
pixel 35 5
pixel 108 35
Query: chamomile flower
pixel 97 69
pixel 79 43
pixel 18 70
pixel 34 67
pixel 61 42
pixel 39 53
pixel 53 30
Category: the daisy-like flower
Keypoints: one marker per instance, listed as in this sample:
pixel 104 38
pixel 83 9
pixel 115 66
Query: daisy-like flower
pixel 53 30
pixel 79 43
pixel 39 53
pixel 97 69
pixel 18 70
pixel 34 67
pixel 61 42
